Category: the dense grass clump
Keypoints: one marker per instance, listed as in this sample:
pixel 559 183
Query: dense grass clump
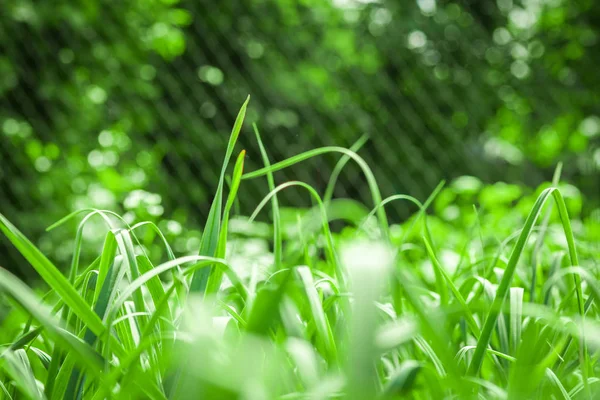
pixel 486 292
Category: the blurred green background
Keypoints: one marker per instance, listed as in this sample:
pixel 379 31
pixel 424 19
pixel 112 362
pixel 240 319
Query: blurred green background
pixel 128 105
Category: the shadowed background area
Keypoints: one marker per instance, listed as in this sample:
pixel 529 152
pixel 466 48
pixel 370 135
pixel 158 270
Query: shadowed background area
pixel 128 105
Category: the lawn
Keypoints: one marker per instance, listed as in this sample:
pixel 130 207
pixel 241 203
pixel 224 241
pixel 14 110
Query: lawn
pixel 487 291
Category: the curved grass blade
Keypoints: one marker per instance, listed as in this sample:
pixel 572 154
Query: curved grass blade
pixel 371 181
pixel 76 379
pixel 103 213
pixel 329 247
pixel 580 387
pixel 170 256
pixel 441 276
pixel 339 166
pixel 422 207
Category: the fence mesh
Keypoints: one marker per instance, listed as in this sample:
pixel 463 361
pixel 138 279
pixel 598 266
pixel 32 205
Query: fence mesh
pixel 101 99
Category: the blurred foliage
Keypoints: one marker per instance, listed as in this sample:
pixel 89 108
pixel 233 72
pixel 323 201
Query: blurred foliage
pixel 127 105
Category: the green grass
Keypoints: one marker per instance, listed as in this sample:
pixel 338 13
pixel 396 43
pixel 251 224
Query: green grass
pixel 471 297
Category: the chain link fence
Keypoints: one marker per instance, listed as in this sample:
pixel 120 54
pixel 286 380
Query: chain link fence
pixel 128 106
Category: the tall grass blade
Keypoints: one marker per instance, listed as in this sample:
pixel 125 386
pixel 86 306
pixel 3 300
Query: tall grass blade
pixel 216 274
pixel 277 237
pixel 504 286
pixel 210 235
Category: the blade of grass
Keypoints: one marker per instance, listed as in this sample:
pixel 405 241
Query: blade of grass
pixel 154 285
pixel 339 166
pixel 126 249
pixel 504 286
pixel 448 281
pixel 369 265
pixel 516 314
pixel 318 316
pixel 371 181
pixel 155 229
pixel 135 285
pixel 5 391
pixel 441 278
pixel 210 234
pixel 559 390
pixel 216 274
pixel 329 247
pixel 85 356
pixel 25 339
pixel 52 276
pixel 17 365
pixel 303 355
pixel 541 236
pixel 277 237
pixel 402 379
pixel 463 352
